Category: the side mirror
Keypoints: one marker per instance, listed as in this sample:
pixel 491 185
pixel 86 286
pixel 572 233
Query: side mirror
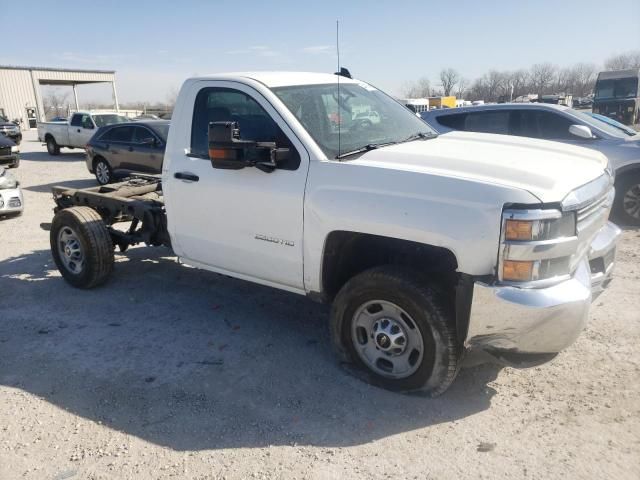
pixel 227 150
pixel 88 126
pixel 148 141
pixel 581 131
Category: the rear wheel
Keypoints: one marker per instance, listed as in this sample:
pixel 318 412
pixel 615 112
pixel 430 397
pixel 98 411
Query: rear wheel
pixel 103 171
pixel 52 147
pixel 81 247
pixel 396 330
pixel 627 203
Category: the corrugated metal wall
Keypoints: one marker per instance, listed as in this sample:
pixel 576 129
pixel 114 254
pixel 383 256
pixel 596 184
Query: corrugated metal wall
pixel 17 92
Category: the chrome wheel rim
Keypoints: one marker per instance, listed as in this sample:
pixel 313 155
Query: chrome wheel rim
pixel 102 172
pixel 387 339
pixel 631 201
pixel 70 250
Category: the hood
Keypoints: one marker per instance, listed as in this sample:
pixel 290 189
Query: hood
pixel 7 180
pixel 548 170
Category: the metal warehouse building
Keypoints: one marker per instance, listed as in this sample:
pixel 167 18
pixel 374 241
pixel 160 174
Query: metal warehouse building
pixel 20 95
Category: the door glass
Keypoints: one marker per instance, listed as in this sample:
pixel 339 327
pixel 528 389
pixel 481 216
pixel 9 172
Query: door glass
pixel 224 104
pixel 143 135
pixel 86 121
pixel 488 122
pixel 76 120
pixel 121 134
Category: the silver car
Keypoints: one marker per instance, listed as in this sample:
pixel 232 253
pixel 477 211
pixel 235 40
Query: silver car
pixel 618 142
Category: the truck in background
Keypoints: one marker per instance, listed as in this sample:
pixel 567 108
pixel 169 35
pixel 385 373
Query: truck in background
pixel 617 95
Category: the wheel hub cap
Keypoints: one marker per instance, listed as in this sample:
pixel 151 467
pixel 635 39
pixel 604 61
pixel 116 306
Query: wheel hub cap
pixel 631 201
pixel 387 339
pixel 70 250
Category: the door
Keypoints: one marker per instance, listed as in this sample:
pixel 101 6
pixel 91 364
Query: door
pixel 81 130
pixel 118 145
pixel 145 151
pixel 535 123
pixel 244 222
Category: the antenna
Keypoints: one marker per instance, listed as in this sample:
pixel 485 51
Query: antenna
pixel 338 70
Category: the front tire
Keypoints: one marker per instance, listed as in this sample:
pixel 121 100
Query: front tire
pixel 52 147
pixel 81 247
pixel 396 330
pixel 103 171
pixel 626 208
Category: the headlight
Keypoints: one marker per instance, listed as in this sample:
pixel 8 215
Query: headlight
pixel 15 149
pixel 537 245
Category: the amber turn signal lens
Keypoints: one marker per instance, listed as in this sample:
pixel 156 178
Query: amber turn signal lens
pixel 517 271
pixel 222 153
pixel 518 230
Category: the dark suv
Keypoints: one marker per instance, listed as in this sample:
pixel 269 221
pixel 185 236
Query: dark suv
pixel 131 147
pixel 9 153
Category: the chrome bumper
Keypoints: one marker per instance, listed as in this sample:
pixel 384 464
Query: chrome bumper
pixel 506 319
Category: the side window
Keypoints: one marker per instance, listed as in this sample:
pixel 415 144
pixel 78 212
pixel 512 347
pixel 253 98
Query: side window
pixel 455 122
pixel 554 126
pixel 76 120
pixel 143 135
pixel 86 121
pixel 120 134
pixel 488 122
pixel 224 104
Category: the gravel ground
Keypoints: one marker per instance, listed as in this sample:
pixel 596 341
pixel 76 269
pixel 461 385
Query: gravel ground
pixel 171 372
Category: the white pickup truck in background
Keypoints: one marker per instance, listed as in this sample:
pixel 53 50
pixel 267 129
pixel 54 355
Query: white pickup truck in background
pixel 427 246
pixel 76 132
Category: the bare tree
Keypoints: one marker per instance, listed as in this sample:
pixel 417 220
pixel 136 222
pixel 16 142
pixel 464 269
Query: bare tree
pixel 584 78
pixel 623 61
pixel 518 80
pixel 542 75
pixel 172 96
pixel 421 88
pixel 55 104
pixel 461 89
pixel 448 80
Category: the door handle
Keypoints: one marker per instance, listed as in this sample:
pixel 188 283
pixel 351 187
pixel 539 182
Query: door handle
pixel 78 130
pixel 186 176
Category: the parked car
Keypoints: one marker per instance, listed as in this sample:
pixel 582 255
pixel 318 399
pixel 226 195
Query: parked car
pixel 10 129
pixel 11 201
pixel 77 132
pixel 426 245
pixel 561 124
pixel 147 116
pixel 134 146
pixel 9 153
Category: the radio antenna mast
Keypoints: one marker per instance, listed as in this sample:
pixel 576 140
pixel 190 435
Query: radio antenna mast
pixel 339 117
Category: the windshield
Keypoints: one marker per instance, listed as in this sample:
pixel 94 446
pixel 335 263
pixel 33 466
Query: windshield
pixel 364 116
pixel 619 88
pixel 603 123
pixel 109 119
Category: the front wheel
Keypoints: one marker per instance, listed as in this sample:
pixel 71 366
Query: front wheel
pixel 396 330
pixel 626 206
pixel 81 247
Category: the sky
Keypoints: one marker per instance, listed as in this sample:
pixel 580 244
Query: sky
pixel 155 45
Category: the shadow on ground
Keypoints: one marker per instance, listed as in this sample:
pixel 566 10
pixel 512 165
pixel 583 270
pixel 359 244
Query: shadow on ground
pixel 193 360
pixel 75 155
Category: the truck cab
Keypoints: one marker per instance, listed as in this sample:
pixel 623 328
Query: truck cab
pixel 617 95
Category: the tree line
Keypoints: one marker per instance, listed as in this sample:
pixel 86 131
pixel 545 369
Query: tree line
pixel 541 78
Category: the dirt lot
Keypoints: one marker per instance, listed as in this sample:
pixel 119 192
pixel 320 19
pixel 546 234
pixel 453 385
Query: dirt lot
pixel 170 372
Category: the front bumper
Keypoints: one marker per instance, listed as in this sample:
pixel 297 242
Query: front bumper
pixel 11 201
pixel 515 322
pixel 9 159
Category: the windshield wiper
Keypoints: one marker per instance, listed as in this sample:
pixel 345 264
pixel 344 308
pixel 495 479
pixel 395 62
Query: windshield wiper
pixel 419 136
pixel 366 148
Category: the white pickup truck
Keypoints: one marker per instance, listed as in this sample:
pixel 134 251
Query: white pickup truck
pixel 76 132
pixel 426 246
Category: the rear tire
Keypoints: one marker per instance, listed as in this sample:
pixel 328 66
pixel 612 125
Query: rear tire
pixel 52 147
pixel 396 330
pixel 81 247
pixel 626 207
pixel 103 171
